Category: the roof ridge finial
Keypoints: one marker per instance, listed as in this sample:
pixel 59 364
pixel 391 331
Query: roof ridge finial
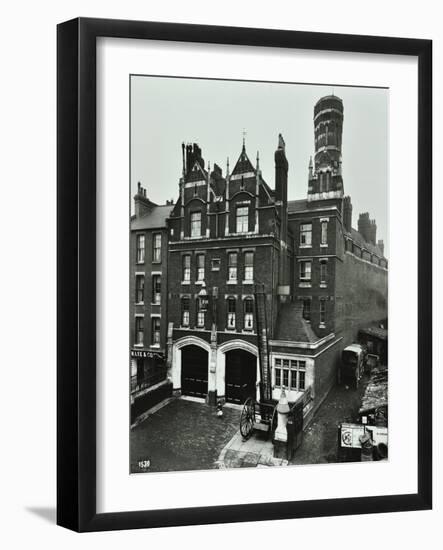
pixel 244 141
pixel 258 161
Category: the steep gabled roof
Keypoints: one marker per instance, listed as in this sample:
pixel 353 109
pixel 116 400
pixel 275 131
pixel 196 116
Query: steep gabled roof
pixel 197 173
pixel 155 219
pixel 243 165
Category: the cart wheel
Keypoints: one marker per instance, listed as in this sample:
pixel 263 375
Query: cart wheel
pixel 247 418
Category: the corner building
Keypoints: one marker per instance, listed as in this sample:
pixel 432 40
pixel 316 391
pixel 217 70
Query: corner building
pixel 253 277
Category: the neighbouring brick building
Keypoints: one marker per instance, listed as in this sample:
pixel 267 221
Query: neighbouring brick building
pixel 148 304
pixel 231 241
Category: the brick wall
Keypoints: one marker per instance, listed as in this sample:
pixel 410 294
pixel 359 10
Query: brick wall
pixel 148 267
pixel 264 259
pixel 361 296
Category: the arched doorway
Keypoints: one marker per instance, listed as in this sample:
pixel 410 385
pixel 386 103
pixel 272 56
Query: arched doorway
pixel 240 375
pixel 194 371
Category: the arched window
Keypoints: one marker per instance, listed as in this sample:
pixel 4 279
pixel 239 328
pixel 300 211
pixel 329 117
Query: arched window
pixel 231 311
pixel 185 312
pixel 248 305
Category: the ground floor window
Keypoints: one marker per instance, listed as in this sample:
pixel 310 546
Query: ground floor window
pixel 290 374
pixel 150 371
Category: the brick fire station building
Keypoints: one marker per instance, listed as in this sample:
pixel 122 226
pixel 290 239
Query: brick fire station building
pixel 200 268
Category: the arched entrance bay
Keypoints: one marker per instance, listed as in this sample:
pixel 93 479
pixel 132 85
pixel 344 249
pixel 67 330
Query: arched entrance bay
pixel 194 371
pixel 240 375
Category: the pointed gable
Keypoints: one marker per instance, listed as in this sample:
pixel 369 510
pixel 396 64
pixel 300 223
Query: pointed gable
pixel 243 165
pixel 197 173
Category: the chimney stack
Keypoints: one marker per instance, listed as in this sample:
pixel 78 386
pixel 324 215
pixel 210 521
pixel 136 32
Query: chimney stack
pixel 193 154
pixel 347 213
pixel 367 228
pixel 142 205
pixel 381 246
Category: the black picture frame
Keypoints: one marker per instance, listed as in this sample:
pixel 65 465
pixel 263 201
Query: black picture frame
pixel 76 265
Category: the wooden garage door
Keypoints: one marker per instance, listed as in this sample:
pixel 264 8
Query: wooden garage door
pixel 240 375
pixel 194 371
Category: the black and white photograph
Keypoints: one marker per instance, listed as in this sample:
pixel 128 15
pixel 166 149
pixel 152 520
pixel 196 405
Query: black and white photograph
pixel 259 267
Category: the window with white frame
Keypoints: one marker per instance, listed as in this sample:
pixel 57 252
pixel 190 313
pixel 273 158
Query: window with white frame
pixel 140 248
pixel 249 266
pixel 215 264
pixel 185 312
pixel 322 311
pixel 306 234
pixel 196 222
pixel 248 305
pixel 290 374
pixel 186 267
pixel 155 331
pixel 200 267
pixel 139 289
pixel 231 310
pixel 305 270
pixel 323 271
pixel 139 330
pixel 324 233
pixel 157 247
pixel 200 314
pixel 232 266
pixel 242 219
pixel 156 289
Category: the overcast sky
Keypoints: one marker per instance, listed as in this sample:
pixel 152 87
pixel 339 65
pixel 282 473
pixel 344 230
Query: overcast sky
pixel 215 113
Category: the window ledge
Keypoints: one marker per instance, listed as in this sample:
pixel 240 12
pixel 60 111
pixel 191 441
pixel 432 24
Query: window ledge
pixel 138 345
pixel 156 304
pixel 199 282
pixel 247 282
pixel 232 282
pixel 323 285
pixel 139 303
pixel 305 285
pixel 305 246
pixel 322 325
pixel 324 245
pixel 186 282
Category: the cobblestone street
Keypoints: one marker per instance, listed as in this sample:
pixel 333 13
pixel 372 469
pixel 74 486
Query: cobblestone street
pixel 186 435
pixel 320 438
pixel 183 435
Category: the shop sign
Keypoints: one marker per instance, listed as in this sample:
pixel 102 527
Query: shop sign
pixel 350 435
